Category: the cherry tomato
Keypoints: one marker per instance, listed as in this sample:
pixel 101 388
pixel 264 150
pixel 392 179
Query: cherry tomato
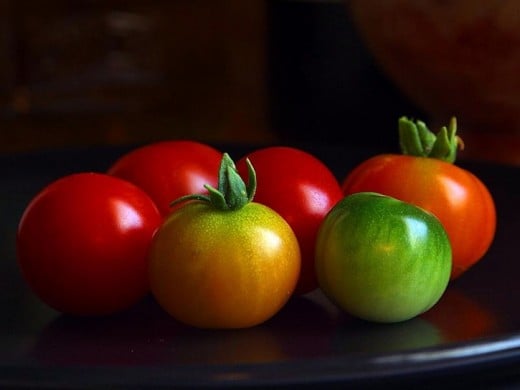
pixel 456 196
pixel 167 170
pixel 302 189
pixel 222 260
pixel 381 259
pixel 83 242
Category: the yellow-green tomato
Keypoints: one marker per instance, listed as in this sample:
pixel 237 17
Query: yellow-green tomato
pixel 222 260
pixel 381 259
pixel 224 269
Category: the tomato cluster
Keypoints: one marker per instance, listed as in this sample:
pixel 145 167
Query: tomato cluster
pixel 221 245
pixel 96 243
pixel 83 241
pixel 393 262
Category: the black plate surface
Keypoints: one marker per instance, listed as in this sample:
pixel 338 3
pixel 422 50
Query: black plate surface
pixel 473 333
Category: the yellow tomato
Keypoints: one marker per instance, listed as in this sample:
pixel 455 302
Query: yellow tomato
pixel 224 268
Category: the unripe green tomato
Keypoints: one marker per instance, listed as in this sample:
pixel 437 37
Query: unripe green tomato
pixel 381 259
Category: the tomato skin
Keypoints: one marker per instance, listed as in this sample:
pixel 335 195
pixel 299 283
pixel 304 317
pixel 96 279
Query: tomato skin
pixel 83 241
pixel 302 189
pixel 223 269
pixel 167 170
pixel 382 259
pixel 457 197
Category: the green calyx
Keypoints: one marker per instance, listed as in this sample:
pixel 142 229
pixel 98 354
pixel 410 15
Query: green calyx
pixel 232 193
pixel 417 140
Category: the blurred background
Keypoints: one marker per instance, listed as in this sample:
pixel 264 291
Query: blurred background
pixel 105 72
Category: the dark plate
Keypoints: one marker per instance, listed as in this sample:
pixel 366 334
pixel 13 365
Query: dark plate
pixel 473 333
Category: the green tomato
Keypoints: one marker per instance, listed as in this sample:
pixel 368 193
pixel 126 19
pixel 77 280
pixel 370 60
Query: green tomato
pixel 381 259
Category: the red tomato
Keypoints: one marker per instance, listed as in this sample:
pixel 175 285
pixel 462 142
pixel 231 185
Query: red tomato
pixel 83 242
pixel 167 170
pixel 302 190
pixel 457 197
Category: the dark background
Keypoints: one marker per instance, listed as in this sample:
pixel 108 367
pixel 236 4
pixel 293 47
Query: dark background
pixel 89 72
pixel 324 84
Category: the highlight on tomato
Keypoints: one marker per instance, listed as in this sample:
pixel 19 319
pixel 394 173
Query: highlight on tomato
pixel 83 242
pixel 167 170
pixel 302 189
pixel 222 260
pixel 381 259
pixel 427 176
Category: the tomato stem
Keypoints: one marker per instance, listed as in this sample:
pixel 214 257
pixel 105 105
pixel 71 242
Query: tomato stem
pixel 417 140
pixel 231 193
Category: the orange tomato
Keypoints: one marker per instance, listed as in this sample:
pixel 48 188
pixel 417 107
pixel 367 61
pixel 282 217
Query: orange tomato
pixel 224 261
pixel 222 269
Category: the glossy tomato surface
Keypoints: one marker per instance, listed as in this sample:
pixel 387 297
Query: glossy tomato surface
pixel 458 198
pixel 167 170
pixel 83 242
pixel 381 259
pixel 302 189
pixel 224 269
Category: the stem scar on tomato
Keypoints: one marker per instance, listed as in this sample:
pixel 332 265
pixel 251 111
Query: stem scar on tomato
pixel 232 193
pixel 415 139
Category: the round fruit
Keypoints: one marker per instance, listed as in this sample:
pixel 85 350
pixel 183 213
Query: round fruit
pixel 381 259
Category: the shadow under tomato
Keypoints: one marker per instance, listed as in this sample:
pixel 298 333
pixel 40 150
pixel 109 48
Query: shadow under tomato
pixel 147 335
pixel 341 333
pixel 127 338
pixel 461 318
pixel 307 327
pixel 300 329
pixel 362 337
pixel 455 318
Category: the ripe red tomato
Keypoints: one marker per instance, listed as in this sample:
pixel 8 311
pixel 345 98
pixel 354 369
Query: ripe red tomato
pixel 83 242
pixel 224 261
pixel 457 197
pixel 302 189
pixel 167 170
